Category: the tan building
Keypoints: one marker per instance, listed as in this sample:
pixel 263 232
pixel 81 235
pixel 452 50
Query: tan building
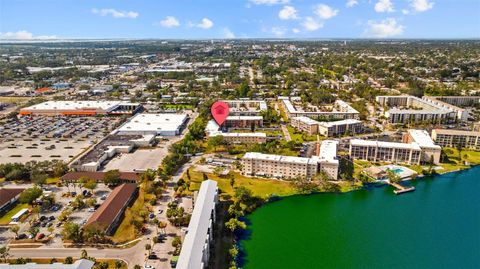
pixel 455 138
pixel 276 166
pixel 243 121
pixel 305 124
pixel 339 110
pixel 244 138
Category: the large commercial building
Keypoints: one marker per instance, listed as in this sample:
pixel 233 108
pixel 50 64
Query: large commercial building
pixel 411 109
pixel 109 215
pixel 327 128
pixel 81 108
pixel 212 129
pixel 456 138
pixel 277 166
pixel 340 110
pixel 243 121
pixel 379 151
pixel 195 251
pixel 430 151
pixel 154 124
pixel 245 107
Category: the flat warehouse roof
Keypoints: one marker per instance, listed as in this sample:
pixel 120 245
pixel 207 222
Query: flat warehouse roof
pixel 77 105
pixel 154 123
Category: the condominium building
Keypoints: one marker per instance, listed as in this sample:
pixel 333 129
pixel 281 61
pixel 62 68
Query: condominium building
pixel 430 151
pixel 245 107
pixel 277 166
pixel 327 128
pixel 335 128
pixel 457 138
pixel 305 124
pixel 460 101
pixel 195 251
pixel 462 114
pixel 327 158
pixel 379 151
pixel 243 121
pixel 340 110
pixel 411 109
pixel 244 138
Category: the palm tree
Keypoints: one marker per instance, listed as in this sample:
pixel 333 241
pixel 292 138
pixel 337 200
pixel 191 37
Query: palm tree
pixel 162 225
pixel 15 229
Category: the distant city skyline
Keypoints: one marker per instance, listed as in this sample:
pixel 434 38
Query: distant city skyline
pixel 216 19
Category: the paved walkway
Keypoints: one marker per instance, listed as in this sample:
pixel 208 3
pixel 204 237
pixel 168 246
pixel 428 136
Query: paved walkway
pixel 286 133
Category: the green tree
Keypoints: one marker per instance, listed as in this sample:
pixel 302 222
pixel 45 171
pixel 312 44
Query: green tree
pixel 15 229
pixel 112 177
pixel 71 231
pixel 68 260
pixel 234 224
pixel 28 196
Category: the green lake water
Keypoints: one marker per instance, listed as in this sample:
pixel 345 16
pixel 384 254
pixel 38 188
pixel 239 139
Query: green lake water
pixel 436 226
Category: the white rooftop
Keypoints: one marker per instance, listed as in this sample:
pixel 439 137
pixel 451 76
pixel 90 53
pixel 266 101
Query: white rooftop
pixel 244 118
pixel 154 122
pixel 422 138
pixel 278 158
pixel 77 105
pixel 328 151
pixel 191 255
pixel 244 134
pixel 306 120
pixel 339 122
pixel 382 144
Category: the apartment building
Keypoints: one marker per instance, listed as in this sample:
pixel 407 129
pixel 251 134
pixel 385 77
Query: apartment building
pixel 329 128
pixel 340 110
pixel 245 107
pixel 379 151
pixel 455 138
pixel 335 128
pixel 430 151
pixel 195 252
pixel 327 159
pixel 462 114
pixel 305 124
pixel 277 166
pixel 244 138
pixel 460 101
pixel 243 121
pixel 411 109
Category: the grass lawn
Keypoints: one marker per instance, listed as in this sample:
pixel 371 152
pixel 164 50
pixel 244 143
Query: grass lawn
pixel 5 219
pixel 177 106
pixel 52 180
pixel 300 136
pixel 2 179
pixel 126 230
pixel 13 100
pixel 260 187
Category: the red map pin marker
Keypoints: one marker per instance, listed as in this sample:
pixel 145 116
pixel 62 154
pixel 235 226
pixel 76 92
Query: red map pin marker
pixel 219 112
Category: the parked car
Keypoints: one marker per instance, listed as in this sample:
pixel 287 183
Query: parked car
pixel 21 236
pixel 39 236
pixel 152 216
pixel 91 209
pixel 51 218
pixel 44 224
pixel 153 256
pixel 42 218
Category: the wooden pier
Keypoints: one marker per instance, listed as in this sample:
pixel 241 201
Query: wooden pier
pixel 399 189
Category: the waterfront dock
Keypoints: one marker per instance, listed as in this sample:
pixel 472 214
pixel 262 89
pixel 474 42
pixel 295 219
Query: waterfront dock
pixel 399 189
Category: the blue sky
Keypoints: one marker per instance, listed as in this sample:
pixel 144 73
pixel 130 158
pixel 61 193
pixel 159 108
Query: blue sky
pixel 32 19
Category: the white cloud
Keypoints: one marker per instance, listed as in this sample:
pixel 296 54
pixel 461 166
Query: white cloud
pixel 296 30
pixel 279 31
pixel 325 12
pixel 227 33
pixel 115 13
pixel 288 13
pixel 206 23
pixel 24 35
pixel 385 28
pixel 169 22
pixel 269 2
pixel 310 24
pixel 384 6
pixel 405 11
pixel 421 5
pixel 351 3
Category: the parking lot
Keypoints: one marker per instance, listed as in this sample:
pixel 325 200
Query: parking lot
pixel 49 217
pixel 49 138
pixel 139 160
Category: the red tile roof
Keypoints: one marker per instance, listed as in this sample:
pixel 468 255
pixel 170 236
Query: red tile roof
pixel 42 90
pixel 113 206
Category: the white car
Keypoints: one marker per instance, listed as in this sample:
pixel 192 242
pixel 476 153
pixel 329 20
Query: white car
pixel 148 267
